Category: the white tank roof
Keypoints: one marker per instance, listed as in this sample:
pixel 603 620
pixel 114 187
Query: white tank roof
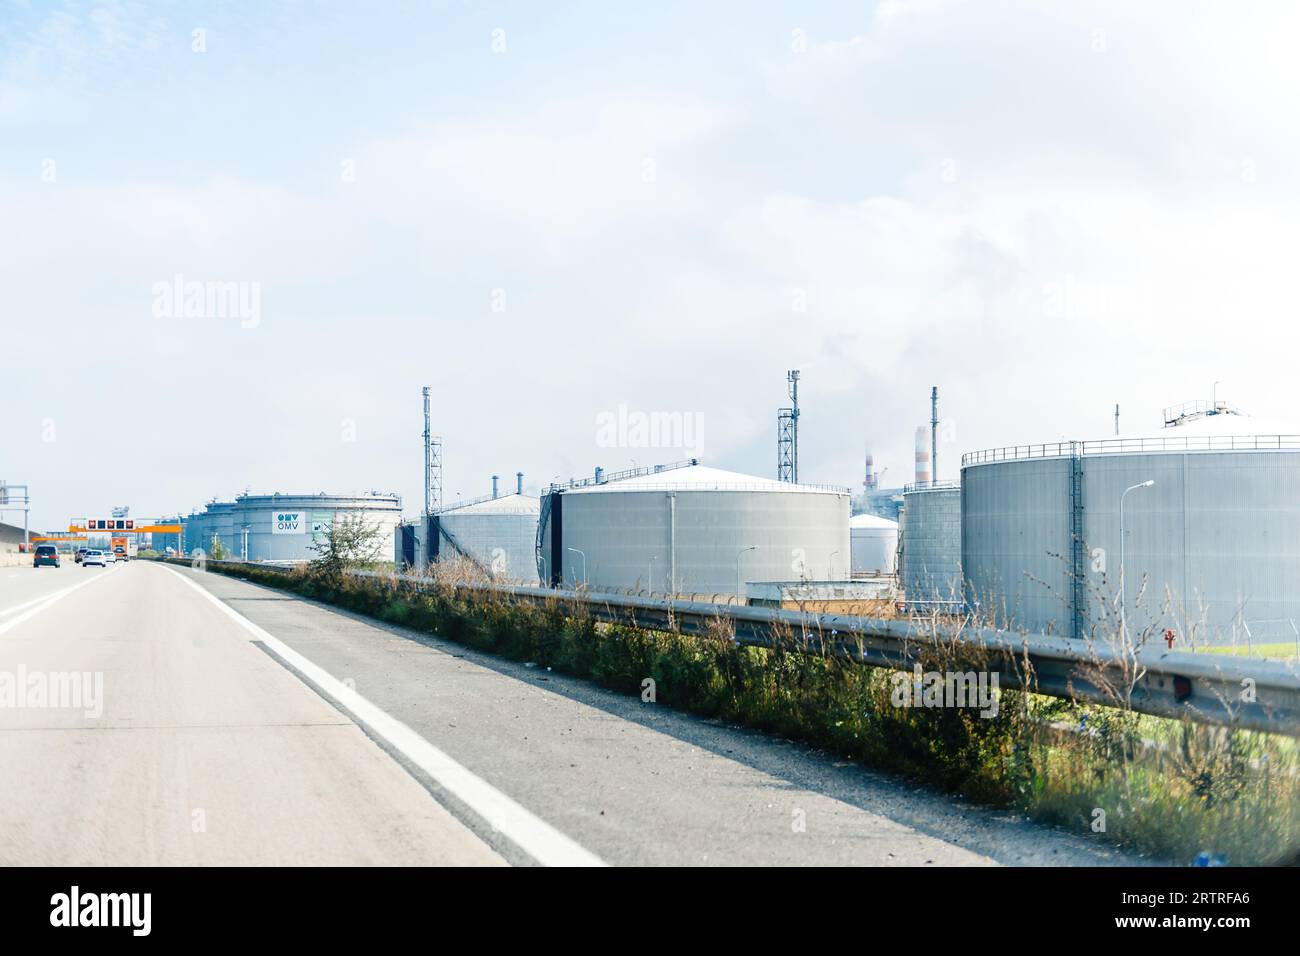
pixel 1226 424
pixel 701 478
pixel 873 521
pixel 503 505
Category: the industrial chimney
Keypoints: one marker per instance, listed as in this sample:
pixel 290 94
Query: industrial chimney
pixel 922 456
pixel 519 482
pixel 494 486
pixel 869 481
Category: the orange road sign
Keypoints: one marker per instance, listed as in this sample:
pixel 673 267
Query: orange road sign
pixel 141 529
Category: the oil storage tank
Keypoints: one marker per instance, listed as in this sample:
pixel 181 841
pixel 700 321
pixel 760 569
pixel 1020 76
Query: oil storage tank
pixel 873 544
pixel 931 529
pixel 689 529
pixel 1210 507
pixel 286 527
pixel 280 527
pixel 497 534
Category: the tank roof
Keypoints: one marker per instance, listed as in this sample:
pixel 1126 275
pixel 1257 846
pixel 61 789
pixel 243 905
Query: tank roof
pixel 1223 430
pixel 511 504
pixel 702 478
pixel 872 521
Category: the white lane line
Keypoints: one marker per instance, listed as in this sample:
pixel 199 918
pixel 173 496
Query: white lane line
pixel 541 841
pixel 40 604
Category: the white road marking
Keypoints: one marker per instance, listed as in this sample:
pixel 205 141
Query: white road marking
pixel 41 604
pixel 541 841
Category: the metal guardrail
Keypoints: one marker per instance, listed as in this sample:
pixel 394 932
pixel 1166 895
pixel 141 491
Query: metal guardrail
pixel 1124 446
pixel 1230 691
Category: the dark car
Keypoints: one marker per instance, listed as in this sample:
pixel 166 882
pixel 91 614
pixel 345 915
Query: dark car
pixel 81 553
pixel 45 554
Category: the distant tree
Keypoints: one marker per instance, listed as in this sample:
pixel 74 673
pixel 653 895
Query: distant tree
pixel 217 552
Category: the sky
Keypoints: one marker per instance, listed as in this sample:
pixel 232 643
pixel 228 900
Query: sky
pixel 602 233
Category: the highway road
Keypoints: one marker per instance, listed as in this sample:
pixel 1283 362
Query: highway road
pixel 190 718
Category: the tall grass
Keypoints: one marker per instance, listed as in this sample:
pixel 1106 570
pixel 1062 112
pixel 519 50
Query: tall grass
pixel 1169 788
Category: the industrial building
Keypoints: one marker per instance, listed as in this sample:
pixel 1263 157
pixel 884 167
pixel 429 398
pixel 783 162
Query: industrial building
pixel 282 527
pixel 689 529
pixel 873 545
pixel 931 543
pixel 497 534
pixel 1210 509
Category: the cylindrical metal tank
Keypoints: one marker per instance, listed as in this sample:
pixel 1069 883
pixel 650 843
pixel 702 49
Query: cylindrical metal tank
pixel 874 544
pixel 1212 548
pixel 691 530
pixel 499 534
pixel 220 524
pixel 285 527
pixel 931 530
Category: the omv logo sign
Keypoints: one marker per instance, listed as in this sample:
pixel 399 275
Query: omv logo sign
pixel 288 522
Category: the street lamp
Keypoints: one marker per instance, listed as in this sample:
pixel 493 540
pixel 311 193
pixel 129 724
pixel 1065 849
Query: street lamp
pixel 584 562
pixel 738 554
pixel 1123 626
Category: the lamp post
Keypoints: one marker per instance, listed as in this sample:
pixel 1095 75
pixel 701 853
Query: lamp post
pixel 738 554
pixel 584 562
pixel 1123 624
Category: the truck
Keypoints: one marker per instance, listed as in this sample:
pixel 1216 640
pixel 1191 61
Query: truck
pixel 125 547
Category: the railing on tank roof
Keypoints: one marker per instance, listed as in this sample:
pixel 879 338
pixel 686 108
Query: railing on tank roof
pixel 739 486
pixel 932 485
pixel 606 477
pixel 468 502
pixel 1125 446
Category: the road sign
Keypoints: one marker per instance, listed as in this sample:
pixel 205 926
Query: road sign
pixel 111 524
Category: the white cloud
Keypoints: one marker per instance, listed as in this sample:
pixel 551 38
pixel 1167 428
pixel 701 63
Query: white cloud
pixel 969 195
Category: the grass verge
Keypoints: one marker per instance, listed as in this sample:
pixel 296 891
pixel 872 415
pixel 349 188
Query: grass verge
pixel 1168 788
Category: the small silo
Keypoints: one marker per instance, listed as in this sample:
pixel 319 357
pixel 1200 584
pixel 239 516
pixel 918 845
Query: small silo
pixel 1211 545
pixel 931 546
pixel 497 534
pixel 874 545
pixel 688 529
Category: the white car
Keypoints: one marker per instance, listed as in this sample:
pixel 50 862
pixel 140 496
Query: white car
pixel 96 557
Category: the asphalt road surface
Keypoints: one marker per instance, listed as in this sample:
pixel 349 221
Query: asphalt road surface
pixel 156 715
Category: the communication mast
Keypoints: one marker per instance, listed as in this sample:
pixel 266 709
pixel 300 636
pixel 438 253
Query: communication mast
pixel 432 464
pixel 787 433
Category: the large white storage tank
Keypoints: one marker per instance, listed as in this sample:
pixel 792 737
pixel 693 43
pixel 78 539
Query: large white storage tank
pixel 286 527
pixel 498 534
pixel 931 547
pixel 691 530
pixel 874 544
pixel 1212 547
